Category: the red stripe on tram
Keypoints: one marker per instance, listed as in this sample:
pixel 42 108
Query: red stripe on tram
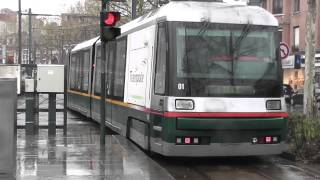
pixel 227 114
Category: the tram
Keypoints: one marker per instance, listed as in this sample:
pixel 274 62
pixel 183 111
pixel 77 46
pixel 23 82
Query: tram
pixel 188 79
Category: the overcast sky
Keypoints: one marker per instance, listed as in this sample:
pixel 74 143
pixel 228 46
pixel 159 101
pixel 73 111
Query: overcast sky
pixel 39 6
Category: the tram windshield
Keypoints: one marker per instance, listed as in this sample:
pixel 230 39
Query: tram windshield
pixel 222 60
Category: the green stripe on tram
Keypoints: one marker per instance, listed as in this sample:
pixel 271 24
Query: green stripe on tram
pixel 230 123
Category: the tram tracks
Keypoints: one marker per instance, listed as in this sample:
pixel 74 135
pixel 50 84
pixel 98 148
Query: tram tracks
pixel 258 168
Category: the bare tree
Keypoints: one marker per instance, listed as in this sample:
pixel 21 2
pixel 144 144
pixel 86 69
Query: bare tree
pixel 82 21
pixel 309 98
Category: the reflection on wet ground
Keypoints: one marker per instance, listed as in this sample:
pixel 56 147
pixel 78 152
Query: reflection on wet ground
pixel 78 156
pixel 237 168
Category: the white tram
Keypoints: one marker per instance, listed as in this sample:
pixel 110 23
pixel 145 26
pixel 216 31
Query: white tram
pixel 189 79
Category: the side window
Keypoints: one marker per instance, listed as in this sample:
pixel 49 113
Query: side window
pixel 85 71
pixel 77 72
pixel 72 71
pixel 111 46
pixel 119 68
pixel 160 76
pixel 97 67
pixel 80 70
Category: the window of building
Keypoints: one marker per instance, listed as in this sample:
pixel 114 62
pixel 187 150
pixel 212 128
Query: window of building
pixel 264 4
pixel 296 6
pixel 260 3
pixel 277 6
pixel 160 77
pixel 296 36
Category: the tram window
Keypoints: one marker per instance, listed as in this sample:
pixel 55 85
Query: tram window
pixel 109 65
pixel 119 68
pixel 97 87
pixel 80 71
pixel 77 79
pixel 85 71
pixel 160 77
pixel 72 71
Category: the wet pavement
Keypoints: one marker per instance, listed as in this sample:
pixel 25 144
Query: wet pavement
pixel 78 156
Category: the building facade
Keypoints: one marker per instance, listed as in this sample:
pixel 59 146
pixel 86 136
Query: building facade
pixel 291 15
pixel 7 39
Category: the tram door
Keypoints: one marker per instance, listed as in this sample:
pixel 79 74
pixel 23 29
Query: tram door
pixel 110 55
pixel 96 94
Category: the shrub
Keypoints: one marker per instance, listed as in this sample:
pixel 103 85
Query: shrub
pixel 304 136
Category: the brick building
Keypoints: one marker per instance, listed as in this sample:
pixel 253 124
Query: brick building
pixel 291 15
pixel 292 19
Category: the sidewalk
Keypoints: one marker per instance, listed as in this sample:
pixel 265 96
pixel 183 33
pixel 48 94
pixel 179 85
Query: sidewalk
pixel 77 156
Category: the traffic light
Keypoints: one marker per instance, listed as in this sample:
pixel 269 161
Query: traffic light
pixel 107 21
pixel 297 61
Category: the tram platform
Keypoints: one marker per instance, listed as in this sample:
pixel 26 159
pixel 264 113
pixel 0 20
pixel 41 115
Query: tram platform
pixel 78 155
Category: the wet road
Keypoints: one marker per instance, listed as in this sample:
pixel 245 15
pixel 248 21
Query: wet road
pixel 257 168
pixel 78 156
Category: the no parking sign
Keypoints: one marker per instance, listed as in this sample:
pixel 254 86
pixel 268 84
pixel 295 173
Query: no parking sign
pixel 284 50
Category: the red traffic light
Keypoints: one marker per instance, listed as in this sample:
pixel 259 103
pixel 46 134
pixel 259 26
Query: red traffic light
pixel 111 18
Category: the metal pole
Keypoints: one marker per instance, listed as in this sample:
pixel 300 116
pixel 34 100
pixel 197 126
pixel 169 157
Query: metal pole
pixel 30 37
pixel 65 101
pixel 52 114
pixel 133 9
pixel 62 52
pixel 34 52
pixel 19 33
pixel 30 126
pixel 103 91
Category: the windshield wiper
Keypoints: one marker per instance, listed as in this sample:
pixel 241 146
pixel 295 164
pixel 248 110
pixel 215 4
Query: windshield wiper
pixel 235 48
pixel 204 28
pixel 244 33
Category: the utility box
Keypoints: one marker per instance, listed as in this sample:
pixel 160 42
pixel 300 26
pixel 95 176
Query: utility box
pixel 50 78
pixel 8 119
pixel 29 85
pixel 11 71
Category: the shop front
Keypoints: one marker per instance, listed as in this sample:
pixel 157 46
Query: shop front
pixel 293 77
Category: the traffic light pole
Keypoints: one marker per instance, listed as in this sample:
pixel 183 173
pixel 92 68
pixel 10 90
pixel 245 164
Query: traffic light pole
pixel 103 88
pixel 30 38
pixel 133 9
pixel 19 33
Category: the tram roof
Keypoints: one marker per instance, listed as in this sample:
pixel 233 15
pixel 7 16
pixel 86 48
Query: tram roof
pixel 215 12
pixel 196 11
pixel 85 44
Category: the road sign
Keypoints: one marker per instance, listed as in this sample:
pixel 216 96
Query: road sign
pixel 284 50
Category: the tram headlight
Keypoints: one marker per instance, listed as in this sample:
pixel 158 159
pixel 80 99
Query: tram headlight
pixel 273 105
pixel 184 104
